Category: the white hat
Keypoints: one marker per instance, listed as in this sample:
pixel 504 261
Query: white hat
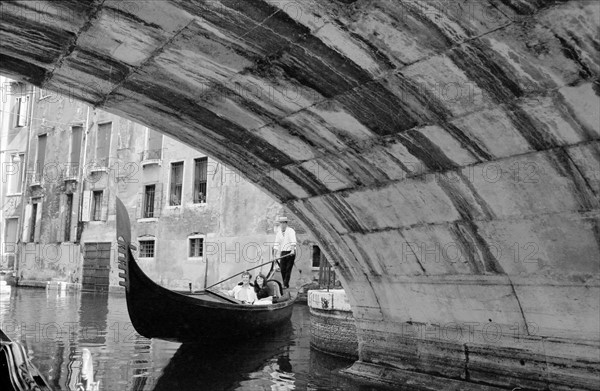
pixel 282 219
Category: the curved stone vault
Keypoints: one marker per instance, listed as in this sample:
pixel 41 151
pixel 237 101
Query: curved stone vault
pixel 445 154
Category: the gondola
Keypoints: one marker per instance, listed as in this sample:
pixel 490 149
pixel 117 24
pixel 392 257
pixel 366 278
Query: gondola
pixel 16 370
pixel 206 315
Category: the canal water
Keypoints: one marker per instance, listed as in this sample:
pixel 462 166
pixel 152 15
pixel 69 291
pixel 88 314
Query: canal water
pixel 55 326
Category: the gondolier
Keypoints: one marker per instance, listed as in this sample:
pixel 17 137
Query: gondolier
pixel 285 248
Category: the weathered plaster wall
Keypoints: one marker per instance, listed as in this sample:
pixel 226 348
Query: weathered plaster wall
pixel 236 221
pixel 43 262
pixel 13 140
pixel 50 256
pixel 445 155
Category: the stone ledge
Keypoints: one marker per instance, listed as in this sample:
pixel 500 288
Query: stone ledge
pixel 51 285
pixel 411 380
pixel 60 285
pixel 529 362
pixel 33 284
pixel 68 286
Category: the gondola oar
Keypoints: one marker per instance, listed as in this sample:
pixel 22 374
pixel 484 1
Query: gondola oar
pixel 240 273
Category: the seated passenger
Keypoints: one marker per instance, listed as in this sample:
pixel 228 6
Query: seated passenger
pixel 244 292
pixel 260 287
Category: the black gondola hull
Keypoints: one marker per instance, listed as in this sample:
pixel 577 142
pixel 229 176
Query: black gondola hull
pixel 157 312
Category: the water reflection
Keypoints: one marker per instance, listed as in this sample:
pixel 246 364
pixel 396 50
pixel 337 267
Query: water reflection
pixel 275 375
pixel 93 313
pixel 55 328
pixel 142 365
pixel 220 367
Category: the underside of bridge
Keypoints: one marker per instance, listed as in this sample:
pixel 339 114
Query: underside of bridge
pixel 445 154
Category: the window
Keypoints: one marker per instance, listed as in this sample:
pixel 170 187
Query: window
pixel 10 235
pixel 153 146
pixel 10 243
pixel 176 185
pixel 124 135
pixel 41 157
pixel 94 204
pixel 33 223
pixel 149 193
pixel 200 168
pixel 103 144
pixel 316 257
pixel 76 135
pixel 196 247
pixel 147 248
pixel 149 201
pixel 15 181
pixel 97 206
pixel 21 111
pixel 68 213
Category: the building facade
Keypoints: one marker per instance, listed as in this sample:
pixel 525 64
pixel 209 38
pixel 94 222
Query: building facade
pixel 64 163
pixel 15 114
pixel 195 220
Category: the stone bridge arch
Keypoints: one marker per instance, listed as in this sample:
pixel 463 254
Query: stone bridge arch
pixel 444 154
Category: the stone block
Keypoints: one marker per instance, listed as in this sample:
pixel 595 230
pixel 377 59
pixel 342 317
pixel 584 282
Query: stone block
pixel 494 132
pixel 583 101
pixel 403 204
pixel 587 159
pixel 511 187
pixel 560 310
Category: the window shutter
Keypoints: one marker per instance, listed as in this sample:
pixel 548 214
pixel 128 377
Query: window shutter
pixel 23 103
pixel 38 222
pixel 158 196
pixel 75 216
pixel 139 210
pixel 154 144
pixel 85 207
pixel 104 211
pixel 60 235
pixel 26 222
pixel 103 144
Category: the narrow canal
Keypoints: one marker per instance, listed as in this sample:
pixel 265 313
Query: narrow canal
pixel 55 327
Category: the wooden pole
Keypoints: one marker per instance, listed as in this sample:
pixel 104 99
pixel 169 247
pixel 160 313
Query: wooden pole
pixel 255 267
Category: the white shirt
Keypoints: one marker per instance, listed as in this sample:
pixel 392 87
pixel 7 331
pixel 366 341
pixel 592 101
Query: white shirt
pixel 244 293
pixel 285 241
